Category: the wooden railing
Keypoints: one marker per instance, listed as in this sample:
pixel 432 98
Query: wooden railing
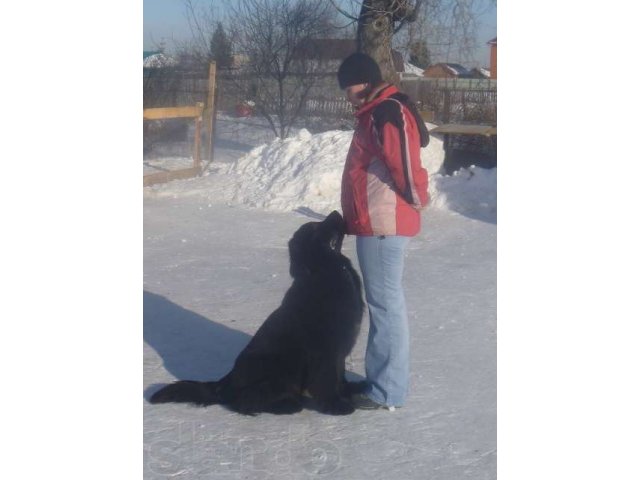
pixel 164 113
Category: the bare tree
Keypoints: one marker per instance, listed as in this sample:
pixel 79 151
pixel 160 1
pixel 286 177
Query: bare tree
pixel 447 28
pixel 378 21
pixel 281 62
pixel 274 64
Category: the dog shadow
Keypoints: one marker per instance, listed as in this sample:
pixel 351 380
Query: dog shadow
pixel 191 346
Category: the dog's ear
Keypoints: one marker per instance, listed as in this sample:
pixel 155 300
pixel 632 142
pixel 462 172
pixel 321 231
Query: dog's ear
pixel 336 220
pixel 334 217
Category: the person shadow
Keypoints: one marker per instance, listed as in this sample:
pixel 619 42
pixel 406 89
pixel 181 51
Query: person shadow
pixel 191 346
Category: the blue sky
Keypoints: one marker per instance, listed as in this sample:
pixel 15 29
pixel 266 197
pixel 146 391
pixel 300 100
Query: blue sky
pixel 163 19
pixel 166 19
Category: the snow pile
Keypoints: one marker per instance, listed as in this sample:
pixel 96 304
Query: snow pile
pixel 159 60
pixel 305 171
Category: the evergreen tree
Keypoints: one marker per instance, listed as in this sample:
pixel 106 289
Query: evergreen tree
pixel 220 48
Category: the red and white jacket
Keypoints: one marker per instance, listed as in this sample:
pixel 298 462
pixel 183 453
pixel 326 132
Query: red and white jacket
pixel 384 184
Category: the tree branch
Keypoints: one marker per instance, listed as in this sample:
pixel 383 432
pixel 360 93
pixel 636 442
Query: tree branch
pixel 343 12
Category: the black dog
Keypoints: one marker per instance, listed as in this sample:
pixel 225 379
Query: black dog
pixel 302 346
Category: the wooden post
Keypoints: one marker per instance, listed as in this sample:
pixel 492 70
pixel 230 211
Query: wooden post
pixel 209 113
pixel 196 154
pixel 447 106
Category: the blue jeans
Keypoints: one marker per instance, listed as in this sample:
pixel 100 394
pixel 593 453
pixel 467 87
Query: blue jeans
pixel 381 261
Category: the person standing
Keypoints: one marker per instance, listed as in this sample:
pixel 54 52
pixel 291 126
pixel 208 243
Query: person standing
pixel 384 187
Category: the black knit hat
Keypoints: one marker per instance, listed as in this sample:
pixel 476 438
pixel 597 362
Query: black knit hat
pixel 358 68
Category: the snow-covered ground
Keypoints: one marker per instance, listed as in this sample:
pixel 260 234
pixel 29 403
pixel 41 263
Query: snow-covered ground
pixel 216 264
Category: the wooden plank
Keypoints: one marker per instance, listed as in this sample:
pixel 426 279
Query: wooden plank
pixel 164 177
pixel 172 112
pixel 196 146
pixel 210 112
pixel 462 129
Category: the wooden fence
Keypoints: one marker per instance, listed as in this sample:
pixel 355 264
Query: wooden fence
pixel 173 87
pixel 450 83
pixel 448 100
pixel 444 103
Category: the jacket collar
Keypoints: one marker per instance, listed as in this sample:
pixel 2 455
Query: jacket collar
pixel 377 95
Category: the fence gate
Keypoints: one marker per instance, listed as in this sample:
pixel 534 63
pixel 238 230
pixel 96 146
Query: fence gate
pixel 173 134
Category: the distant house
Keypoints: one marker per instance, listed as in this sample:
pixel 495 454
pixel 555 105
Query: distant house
pixel 411 70
pixel 480 72
pixel 494 58
pixel 331 52
pixel 447 70
pixel 239 60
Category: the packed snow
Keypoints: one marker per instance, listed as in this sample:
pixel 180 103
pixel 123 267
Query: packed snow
pixel 216 265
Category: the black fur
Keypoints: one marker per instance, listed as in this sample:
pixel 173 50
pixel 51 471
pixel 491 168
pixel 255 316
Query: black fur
pixel 301 347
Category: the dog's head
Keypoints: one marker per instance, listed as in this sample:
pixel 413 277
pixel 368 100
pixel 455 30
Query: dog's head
pixel 314 242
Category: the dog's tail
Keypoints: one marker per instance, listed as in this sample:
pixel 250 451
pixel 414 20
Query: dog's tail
pixel 190 391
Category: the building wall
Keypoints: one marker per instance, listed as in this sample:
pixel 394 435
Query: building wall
pixel 494 62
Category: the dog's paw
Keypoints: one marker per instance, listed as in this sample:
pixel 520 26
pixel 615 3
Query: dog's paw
pixel 339 407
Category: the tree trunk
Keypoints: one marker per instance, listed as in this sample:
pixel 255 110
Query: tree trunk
pixel 375 31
